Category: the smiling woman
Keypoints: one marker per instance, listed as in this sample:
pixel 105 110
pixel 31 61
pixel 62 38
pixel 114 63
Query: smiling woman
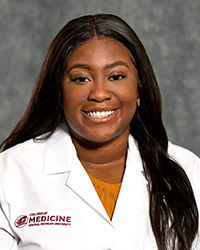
pixel 100 93
pixel 92 147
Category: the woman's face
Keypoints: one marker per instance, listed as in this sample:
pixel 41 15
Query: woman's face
pixel 99 91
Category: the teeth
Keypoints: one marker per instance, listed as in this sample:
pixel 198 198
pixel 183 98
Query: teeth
pixel 101 114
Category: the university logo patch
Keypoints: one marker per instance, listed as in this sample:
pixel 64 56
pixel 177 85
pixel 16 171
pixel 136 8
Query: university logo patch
pixel 42 219
pixel 21 221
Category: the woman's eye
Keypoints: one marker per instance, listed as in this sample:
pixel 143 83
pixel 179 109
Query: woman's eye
pixel 81 79
pixel 116 77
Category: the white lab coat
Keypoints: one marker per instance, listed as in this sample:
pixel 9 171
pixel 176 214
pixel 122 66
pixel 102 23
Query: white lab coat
pixel 48 201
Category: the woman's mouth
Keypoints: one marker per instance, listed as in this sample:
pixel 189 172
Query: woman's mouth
pixel 100 114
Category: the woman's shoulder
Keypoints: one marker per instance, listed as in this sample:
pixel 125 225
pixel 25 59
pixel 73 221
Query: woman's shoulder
pixel 22 149
pixel 183 154
pixel 27 153
pixel 32 153
pixel 189 161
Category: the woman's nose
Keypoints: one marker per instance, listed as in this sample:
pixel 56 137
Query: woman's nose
pixel 100 91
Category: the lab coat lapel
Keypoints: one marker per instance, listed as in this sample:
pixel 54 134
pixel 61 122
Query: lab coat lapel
pixel 79 181
pixel 60 157
pixel 132 205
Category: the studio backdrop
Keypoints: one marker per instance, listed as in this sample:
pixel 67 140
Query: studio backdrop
pixel 169 30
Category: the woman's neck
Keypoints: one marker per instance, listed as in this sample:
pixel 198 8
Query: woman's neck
pixel 106 161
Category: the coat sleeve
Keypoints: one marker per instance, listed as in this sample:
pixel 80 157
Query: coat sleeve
pixel 7 239
pixel 191 164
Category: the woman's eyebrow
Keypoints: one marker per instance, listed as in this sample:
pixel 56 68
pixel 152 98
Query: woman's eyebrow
pixel 86 66
pixel 110 65
pixel 79 66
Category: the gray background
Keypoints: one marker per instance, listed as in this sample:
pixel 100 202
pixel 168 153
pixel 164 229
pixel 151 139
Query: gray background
pixel 169 30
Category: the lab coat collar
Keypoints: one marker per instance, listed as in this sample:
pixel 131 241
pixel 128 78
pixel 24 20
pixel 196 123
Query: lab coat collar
pixel 59 152
pixel 60 157
pixel 133 155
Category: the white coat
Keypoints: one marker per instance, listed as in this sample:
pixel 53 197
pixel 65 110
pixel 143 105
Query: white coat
pixel 48 201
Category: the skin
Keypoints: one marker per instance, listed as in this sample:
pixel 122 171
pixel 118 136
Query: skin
pixel 100 76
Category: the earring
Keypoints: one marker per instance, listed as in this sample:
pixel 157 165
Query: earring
pixel 138 101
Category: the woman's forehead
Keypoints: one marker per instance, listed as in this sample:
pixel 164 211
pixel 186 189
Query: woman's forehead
pixel 100 47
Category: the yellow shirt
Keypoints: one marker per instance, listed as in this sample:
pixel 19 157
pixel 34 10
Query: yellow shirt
pixel 107 193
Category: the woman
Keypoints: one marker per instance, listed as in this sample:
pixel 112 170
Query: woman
pixel 89 165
